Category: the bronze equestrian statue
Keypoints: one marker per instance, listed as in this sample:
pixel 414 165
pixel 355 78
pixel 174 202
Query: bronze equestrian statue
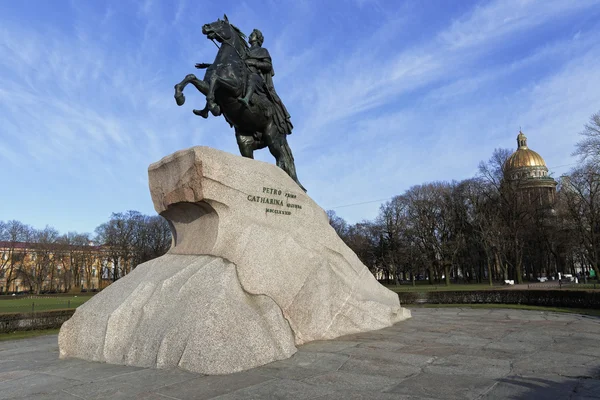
pixel 239 85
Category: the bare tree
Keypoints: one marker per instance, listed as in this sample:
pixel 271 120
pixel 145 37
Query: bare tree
pixel 337 223
pixel 483 210
pixel 131 238
pixel 393 224
pixel 78 258
pixel 588 148
pixel 515 210
pixel 118 235
pixel 582 197
pixel 431 214
pixel 152 238
pixel 44 259
pixel 14 234
pixel 361 238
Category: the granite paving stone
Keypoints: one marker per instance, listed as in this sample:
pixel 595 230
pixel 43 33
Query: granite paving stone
pixel 458 364
pixel 288 372
pixel 58 395
pixel 351 395
pixel 389 356
pixel 434 350
pixel 33 384
pixel 463 340
pixel 88 371
pixel 432 385
pixel 208 387
pixel 149 379
pixel 356 381
pixel 438 354
pixel 490 353
pixel 382 345
pixel 376 367
pixel 103 390
pixel 278 389
pixel 314 360
pixel 329 346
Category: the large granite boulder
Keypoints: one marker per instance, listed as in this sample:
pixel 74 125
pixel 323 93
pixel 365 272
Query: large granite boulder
pixel 254 270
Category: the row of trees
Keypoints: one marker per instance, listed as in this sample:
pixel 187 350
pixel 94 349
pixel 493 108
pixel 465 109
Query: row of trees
pixel 44 260
pixel 487 228
pixel 480 229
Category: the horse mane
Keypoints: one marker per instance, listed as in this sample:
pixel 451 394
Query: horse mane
pixel 241 35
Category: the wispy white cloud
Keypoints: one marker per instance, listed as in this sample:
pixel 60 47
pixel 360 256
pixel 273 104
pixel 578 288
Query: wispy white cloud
pixel 548 54
pixel 366 80
pixel 500 18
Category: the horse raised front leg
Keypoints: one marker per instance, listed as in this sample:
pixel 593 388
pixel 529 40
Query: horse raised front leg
pixel 191 78
pixel 179 97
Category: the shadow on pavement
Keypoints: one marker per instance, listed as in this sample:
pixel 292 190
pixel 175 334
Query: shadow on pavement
pixel 549 387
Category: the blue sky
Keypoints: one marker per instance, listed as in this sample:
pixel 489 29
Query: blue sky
pixel 383 94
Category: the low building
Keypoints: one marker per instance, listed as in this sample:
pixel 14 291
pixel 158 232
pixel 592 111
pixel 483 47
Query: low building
pixel 37 268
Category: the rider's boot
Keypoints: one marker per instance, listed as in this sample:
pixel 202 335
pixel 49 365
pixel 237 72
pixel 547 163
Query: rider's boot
pixel 202 113
pixel 246 99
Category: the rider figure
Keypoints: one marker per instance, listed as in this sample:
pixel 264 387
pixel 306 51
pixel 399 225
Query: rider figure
pixel 261 73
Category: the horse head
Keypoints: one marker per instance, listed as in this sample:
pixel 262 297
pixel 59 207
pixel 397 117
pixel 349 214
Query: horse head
pixel 220 30
pixel 224 32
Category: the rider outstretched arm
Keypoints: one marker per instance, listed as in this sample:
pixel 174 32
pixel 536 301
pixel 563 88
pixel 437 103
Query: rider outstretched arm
pixel 264 65
pixel 202 65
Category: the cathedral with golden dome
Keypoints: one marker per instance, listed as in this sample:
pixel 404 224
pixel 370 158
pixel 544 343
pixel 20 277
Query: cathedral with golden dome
pixel 527 172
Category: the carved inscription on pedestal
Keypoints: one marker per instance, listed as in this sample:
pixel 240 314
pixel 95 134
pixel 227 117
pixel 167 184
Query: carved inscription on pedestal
pixel 277 201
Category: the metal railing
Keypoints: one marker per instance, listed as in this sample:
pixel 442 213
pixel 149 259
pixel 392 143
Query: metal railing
pixel 563 285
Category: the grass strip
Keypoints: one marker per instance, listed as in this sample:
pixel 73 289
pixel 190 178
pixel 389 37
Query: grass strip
pixel 442 288
pixel 27 334
pixel 41 304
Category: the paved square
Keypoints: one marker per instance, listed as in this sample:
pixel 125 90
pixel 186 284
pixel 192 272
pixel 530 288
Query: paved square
pixel 445 353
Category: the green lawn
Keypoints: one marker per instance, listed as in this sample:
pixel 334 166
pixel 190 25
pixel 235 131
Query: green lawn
pixel 41 304
pixel 582 311
pixel 27 334
pixel 441 287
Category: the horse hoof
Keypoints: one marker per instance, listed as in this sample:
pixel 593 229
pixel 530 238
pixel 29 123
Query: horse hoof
pixel 180 99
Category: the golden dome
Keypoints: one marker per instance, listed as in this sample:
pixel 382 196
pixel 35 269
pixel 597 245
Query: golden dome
pixel 524 156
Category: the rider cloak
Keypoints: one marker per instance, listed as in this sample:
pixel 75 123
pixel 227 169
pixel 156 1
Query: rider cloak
pixel 281 115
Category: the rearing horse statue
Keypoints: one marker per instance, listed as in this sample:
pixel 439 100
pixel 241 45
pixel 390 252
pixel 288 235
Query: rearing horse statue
pixel 224 84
